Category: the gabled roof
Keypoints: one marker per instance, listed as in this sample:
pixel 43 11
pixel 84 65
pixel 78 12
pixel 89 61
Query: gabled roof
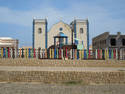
pixel 66 25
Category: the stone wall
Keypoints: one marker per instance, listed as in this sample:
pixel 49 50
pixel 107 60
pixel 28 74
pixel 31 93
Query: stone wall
pixel 61 77
pixel 62 63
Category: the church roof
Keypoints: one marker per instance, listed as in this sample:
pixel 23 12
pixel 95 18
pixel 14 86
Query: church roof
pixel 65 24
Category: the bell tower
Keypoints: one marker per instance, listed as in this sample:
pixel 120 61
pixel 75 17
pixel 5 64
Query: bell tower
pixel 40 33
pixel 81 32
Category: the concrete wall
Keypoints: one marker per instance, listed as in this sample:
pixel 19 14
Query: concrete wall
pixel 103 41
pixel 100 41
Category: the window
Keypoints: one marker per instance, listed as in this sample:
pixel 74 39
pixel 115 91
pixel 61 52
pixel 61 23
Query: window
pixel 60 28
pixel 113 42
pixel 123 42
pixel 81 30
pixel 39 30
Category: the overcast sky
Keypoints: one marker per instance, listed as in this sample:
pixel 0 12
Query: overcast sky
pixel 16 16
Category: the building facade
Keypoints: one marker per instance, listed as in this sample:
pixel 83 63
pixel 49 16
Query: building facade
pixel 115 44
pixel 7 42
pixel 107 40
pixel 60 34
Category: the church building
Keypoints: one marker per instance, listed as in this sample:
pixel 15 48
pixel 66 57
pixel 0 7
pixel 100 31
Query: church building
pixel 60 34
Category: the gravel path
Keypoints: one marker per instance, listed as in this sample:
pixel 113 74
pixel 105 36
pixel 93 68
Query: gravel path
pixel 35 88
pixel 28 68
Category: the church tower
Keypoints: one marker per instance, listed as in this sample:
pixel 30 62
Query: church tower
pixel 81 32
pixel 40 33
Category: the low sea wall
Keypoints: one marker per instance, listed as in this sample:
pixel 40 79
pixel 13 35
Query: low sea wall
pixel 62 63
pixel 63 77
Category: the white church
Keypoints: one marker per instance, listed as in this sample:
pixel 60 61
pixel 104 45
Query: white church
pixel 60 35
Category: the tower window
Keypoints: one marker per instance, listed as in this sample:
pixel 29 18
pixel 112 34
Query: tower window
pixel 113 42
pixel 39 30
pixel 81 30
pixel 123 42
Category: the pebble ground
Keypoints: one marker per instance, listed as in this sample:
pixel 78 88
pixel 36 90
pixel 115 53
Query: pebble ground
pixel 37 88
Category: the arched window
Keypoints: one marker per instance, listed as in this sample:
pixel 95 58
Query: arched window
pixel 39 30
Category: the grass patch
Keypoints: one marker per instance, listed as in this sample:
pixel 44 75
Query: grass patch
pixel 73 83
pixel 121 70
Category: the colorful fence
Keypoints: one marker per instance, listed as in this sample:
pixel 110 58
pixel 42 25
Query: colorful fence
pixel 63 53
pixel 84 54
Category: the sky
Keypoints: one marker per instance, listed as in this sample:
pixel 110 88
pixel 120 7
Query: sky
pixel 16 16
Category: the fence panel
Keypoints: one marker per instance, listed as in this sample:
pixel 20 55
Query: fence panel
pixel 63 53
